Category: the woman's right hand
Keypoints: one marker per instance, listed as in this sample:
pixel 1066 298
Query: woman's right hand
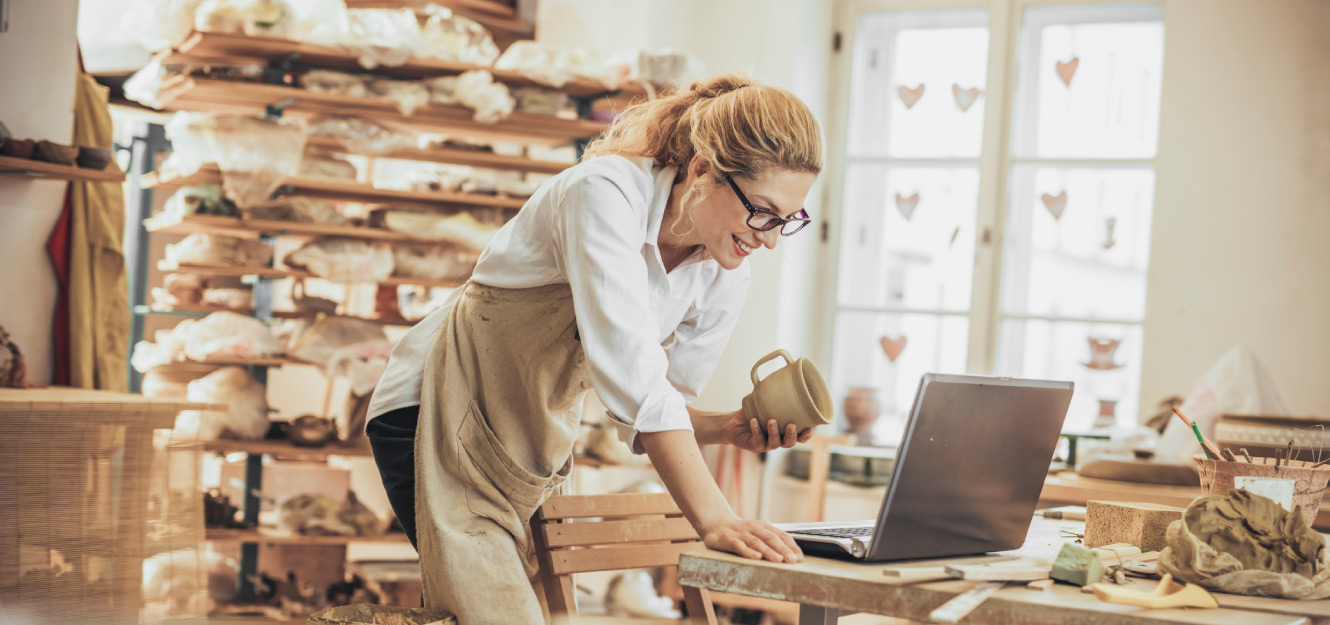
pixel 756 540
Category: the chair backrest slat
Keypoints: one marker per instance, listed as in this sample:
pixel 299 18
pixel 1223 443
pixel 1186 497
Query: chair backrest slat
pixel 584 506
pixel 617 532
pixel 568 561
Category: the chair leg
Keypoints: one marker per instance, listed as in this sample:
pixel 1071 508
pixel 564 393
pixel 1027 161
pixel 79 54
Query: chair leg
pixel 561 594
pixel 700 610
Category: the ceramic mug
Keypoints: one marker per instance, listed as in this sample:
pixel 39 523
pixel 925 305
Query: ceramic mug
pixel 795 393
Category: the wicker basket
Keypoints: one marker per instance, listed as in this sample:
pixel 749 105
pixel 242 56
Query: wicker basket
pixel 1308 483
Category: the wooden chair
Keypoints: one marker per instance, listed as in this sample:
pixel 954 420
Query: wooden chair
pixel 634 531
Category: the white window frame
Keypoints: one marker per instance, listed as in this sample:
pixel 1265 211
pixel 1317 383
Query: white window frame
pixel 1005 21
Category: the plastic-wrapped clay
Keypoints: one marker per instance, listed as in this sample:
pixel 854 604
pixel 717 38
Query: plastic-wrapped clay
pixel 477 90
pixel 382 36
pixel 462 143
pixel 156 84
pixel 344 260
pixel 254 155
pixel 428 179
pixel 205 199
pixel 320 164
pixel 455 38
pixel 406 95
pixel 433 262
pixel 218 249
pixel 480 183
pixel 189 581
pixel 540 101
pixel 663 68
pixel 417 302
pixel 159 24
pixel 461 229
pixel 321 22
pixel 227 334
pixel 553 65
pixel 237 299
pixel 298 209
pixel 304 303
pixel 267 18
pixel 354 348
pixel 516 187
pixel 442 90
pixel 319 514
pixel 337 83
pixel 363 136
pixel 246 414
pixel 180 289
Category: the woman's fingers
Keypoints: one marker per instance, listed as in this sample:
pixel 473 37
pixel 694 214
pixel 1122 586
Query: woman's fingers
pixel 762 546
pixel 806 435
pixel 773 436
pixel 778 541
pixel 756 431
pixel 791 436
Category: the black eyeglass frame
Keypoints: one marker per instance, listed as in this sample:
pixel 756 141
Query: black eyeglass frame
pixel 779 221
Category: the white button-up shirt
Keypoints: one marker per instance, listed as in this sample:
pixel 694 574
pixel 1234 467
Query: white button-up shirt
pixel 595 227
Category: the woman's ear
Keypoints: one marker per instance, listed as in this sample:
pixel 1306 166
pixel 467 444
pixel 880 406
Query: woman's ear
pixel 698 167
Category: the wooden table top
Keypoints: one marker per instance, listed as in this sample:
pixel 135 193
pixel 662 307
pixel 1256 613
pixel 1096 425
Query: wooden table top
pixel 91 406
pixel 862 587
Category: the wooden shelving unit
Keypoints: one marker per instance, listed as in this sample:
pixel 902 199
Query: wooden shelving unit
pixel 343 191
pixel 236 226
pixel 278 272
pixel 200 311
pixel 455 156
pixel 40 169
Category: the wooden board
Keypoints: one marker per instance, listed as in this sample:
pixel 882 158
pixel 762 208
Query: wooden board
pixel 586 506
pixel 247 98
pixel 566 561
pixel 218 48
pixel 274 537
pixel 53 171
pixel 281 272
pixel 200 311
pixel 614 532
pixel 87 405
pixel 277 449
pixel 344 191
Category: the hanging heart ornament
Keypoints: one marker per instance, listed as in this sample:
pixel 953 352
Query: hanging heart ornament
pixel 906 205
pixel 1055 203
pixel 893 347
pixel 910 96
pixel 965 98
pixel 1068 69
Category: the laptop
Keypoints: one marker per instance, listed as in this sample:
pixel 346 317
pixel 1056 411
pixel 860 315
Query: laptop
pixel 968 473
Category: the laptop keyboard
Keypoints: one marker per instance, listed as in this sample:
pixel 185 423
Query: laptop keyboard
pixel 838 532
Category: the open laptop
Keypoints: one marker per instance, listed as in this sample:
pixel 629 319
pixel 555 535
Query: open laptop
pixel 968 473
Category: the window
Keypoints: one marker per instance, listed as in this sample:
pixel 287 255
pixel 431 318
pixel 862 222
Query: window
pixel 1022 252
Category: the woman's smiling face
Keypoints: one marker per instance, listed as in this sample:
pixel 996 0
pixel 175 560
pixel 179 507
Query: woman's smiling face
pixel 719 219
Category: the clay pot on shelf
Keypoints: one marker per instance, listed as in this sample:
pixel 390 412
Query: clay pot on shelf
pixel 311 431
pixel 93 158
pixel 52 152
pixel 862 409
pixel 18 148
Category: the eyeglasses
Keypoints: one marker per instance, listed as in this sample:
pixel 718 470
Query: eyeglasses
pixel 762 220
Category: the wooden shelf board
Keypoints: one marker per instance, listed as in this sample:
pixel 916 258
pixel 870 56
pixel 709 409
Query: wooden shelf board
pixel 454 156
pixel 225 96
pixel 52 171
pixel 342 191
pixel 199 311
pixel 275 537
pixel 282 449
pixel 163 224
pixel 226 49
pixel 279 272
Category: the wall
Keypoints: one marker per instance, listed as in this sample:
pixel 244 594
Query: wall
pixel 36 101
pixel 1242 203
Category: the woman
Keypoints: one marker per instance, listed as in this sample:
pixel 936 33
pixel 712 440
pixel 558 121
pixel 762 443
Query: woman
pixel 624 273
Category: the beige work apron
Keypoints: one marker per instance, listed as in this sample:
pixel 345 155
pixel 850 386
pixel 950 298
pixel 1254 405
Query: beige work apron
pixel 499 411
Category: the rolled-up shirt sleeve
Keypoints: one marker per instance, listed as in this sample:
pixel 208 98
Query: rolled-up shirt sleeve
pixel 705 330
pixel 599 233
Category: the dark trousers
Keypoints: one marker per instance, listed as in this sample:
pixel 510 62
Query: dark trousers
pixel 392 436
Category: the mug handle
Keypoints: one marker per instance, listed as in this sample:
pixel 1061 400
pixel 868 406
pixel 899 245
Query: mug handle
pixel 789 360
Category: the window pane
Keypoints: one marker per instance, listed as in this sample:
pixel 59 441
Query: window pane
pixel 1107 376
pixel 1089 262
pixel 920 343
pixel 1089 82
pixel 945 53
pixel 907 238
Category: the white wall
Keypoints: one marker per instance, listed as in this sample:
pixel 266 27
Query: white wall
pixel 1242 203
pixel 37 72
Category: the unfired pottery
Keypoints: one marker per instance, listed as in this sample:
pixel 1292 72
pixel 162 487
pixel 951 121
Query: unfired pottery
pixel 52 152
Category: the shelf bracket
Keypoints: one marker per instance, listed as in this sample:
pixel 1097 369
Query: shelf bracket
pixel 276 109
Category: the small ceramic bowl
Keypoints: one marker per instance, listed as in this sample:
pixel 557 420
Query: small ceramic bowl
pixel 18 148
pixel 93 158
pixel 53 152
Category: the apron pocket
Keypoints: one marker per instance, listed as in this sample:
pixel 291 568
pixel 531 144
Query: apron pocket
pixel 498 483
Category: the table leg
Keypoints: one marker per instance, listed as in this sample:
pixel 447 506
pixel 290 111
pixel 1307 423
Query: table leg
pixel 817 615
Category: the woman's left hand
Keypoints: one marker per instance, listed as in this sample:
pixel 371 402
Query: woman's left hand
pixel 746 433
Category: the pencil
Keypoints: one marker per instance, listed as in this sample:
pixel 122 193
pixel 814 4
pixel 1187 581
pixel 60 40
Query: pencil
pixel 1210 450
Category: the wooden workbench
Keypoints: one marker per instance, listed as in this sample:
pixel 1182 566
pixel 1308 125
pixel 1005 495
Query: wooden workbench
pixel 75 471
pixel 827 589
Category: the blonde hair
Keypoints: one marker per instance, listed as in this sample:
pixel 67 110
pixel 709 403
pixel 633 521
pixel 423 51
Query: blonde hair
pixel 738 126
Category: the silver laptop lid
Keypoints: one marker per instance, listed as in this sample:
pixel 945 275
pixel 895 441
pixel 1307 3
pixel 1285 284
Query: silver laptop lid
pixel 970 467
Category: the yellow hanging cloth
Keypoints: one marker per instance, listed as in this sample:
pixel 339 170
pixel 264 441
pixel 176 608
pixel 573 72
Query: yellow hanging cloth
pixel 98 283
